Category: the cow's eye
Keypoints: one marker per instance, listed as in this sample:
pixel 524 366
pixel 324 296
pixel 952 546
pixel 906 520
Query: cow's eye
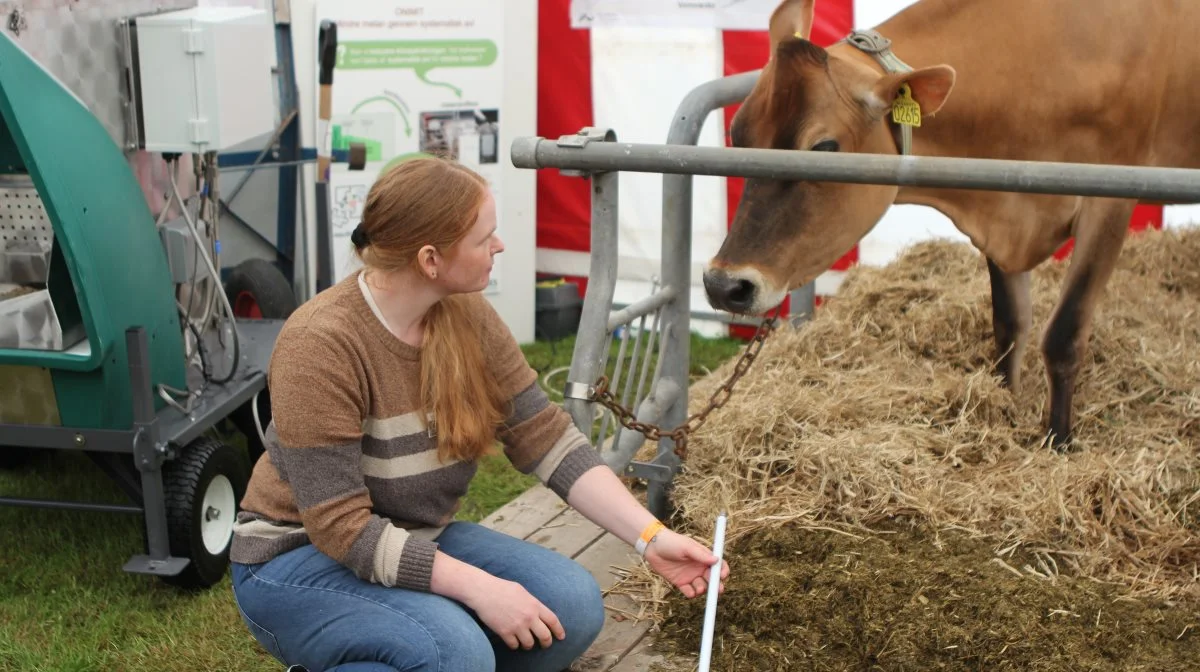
pixel 826 146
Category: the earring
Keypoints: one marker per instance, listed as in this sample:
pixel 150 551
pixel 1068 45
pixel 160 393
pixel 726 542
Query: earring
pixel 435 274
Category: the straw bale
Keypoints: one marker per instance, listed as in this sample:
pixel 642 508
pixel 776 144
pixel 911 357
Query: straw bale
pixel 886 406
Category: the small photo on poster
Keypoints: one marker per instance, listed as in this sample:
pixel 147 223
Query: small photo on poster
pixel 471 137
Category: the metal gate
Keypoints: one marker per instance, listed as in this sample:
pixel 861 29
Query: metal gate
pixel 661 396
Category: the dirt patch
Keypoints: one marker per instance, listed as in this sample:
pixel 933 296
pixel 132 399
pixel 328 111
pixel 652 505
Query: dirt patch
pixel 908 600
pixel 885 408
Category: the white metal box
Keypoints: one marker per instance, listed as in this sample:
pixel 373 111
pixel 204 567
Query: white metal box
pixel 204 78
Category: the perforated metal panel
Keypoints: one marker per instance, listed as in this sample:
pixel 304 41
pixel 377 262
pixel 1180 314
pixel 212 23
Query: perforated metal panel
pixel 79 43
pixel 23 218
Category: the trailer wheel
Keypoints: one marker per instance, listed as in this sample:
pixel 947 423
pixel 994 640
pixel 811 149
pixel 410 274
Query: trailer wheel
pixel 258 290
pixel 203 486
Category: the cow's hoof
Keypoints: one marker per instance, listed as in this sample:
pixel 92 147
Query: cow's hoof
pixel 1062 442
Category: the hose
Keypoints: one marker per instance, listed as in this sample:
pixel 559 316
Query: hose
pixel 216 276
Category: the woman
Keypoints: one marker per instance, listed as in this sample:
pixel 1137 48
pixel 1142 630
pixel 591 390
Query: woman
pixel 385 391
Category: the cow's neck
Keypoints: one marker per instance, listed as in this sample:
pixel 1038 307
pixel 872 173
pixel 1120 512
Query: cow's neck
pixel 917 37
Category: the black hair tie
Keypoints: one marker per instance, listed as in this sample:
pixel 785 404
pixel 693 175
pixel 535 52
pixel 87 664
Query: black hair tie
pixel 359 237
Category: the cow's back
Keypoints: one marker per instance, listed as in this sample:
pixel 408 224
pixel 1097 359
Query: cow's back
pixel 1094 81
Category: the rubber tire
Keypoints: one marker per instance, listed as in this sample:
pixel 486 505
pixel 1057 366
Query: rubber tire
pixel 185 481
pixel 266 283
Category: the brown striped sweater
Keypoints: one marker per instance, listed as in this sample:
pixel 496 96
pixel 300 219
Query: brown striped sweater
pixel 349 465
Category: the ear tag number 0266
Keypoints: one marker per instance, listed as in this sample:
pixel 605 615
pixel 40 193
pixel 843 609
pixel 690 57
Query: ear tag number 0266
pixel 905 110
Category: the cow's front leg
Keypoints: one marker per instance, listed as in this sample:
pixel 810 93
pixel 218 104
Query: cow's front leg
pixel 1012 314
pixel 1099 235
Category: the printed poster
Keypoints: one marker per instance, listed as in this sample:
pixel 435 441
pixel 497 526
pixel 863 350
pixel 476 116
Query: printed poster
pixel 716 14
pixel 412 77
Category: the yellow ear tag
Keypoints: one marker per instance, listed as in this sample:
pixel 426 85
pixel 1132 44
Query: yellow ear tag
pixel 905 110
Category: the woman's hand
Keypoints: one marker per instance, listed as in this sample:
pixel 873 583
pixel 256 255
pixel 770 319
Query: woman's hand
pixel 518 617
pixel 684 562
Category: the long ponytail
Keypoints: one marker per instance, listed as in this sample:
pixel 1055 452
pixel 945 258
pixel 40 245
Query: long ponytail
pixel 434 201
pixel 457 383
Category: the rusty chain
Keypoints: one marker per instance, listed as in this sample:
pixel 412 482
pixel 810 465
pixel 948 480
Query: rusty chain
pixel 718 398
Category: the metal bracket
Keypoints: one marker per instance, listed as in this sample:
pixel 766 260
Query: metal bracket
pixel 149 455
pixel 581 391
pixel 130 95
pixel 580 140
pixel 649 471
pixel 586 135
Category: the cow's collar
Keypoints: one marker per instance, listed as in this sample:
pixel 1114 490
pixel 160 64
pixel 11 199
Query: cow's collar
pixel 880 48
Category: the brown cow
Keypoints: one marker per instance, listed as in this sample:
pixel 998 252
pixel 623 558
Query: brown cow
pixel 1088 81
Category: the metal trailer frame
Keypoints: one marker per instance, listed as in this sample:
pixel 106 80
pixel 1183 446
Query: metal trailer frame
pixel 157 438
pixel 596 154
pixel 154 439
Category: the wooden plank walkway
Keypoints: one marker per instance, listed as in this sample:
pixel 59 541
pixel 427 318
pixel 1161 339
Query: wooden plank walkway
pixel 541 517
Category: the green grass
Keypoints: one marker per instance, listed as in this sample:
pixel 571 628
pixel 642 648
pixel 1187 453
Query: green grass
pixel 66 605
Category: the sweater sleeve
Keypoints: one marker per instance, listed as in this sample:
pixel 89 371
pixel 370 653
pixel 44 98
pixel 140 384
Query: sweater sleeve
pixel 317 403
pixel 539 437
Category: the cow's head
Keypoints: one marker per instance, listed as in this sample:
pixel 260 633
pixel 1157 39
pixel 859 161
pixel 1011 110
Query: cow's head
pixel 785 233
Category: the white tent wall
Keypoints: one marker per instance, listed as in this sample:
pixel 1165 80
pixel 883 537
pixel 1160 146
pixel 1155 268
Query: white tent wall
pixel 1181 216
pixel 639 76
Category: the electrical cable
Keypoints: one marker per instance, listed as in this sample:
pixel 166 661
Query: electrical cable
pixel 257 421
pixel 216 276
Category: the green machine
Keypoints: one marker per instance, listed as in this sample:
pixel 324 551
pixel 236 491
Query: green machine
pixel 116 336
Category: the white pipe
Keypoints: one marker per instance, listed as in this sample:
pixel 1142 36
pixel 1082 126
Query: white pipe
pixel 714 584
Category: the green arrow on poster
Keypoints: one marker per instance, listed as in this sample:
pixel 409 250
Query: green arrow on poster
pixel 393 103
pixel 420 55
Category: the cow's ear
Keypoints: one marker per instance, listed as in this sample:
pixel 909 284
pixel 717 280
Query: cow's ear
pixel 792 18
pixel 928 87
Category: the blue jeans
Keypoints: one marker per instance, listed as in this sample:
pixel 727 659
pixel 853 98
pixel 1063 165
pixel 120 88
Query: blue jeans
pixel 306 609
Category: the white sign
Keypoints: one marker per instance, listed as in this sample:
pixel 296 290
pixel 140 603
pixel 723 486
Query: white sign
pixel 718 14
pixel 412 78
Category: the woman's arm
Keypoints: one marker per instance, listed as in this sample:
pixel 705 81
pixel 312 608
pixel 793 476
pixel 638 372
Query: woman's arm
pixel 506 607
pixel 540 438
pixel 603 499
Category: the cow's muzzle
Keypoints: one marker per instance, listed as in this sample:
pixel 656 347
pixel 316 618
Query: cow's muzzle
pixel 731 292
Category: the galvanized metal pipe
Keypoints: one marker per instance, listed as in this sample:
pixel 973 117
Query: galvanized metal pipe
pixel 591 349
pixel 706 315
pixel 641 308
pixel 1180 185
pixel 665 395
pixel 676 259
